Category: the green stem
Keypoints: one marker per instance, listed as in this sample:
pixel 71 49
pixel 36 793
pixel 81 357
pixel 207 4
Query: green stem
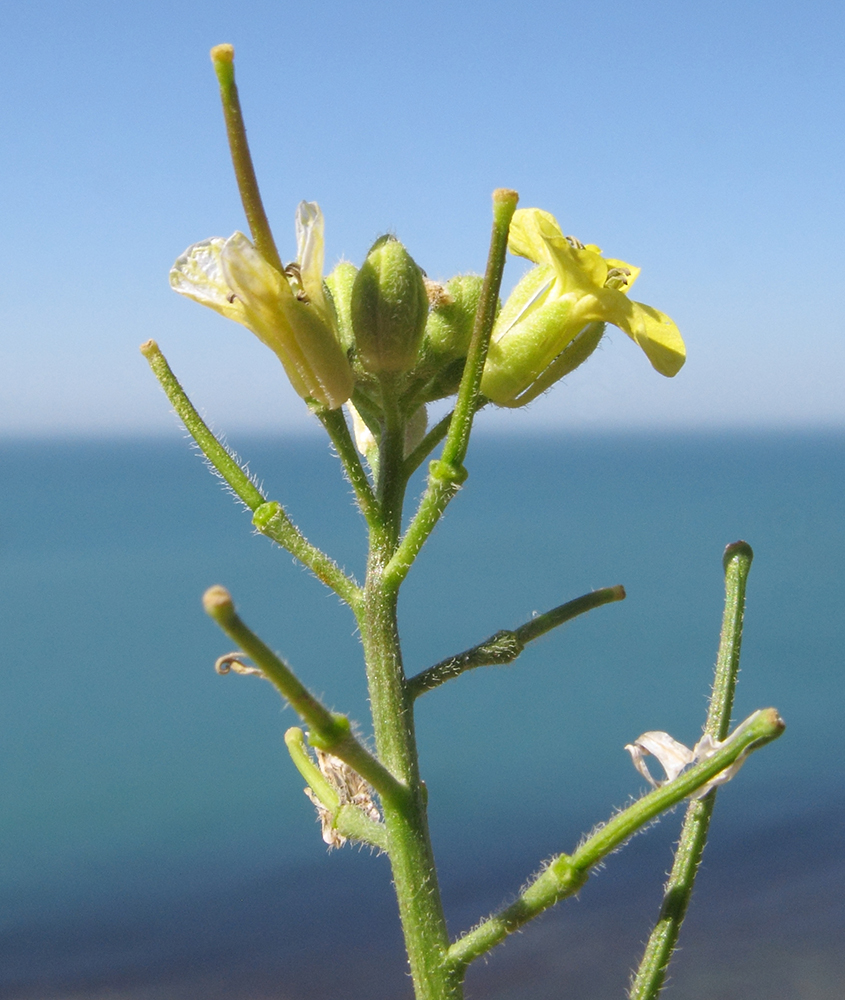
pixel 329 731
pixel 457 442
pixel 336 427
pixel 565 874
pixel 408 841
pixel 426 446
pixel 347 819
pixel 270 518
pixel 651 974
pixel 505 646
pixel 223 59
pixel 211 447
pixel 406 823
pixel 447 474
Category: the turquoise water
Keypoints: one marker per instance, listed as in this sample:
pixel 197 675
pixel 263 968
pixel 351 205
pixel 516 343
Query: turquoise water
pixel 154 835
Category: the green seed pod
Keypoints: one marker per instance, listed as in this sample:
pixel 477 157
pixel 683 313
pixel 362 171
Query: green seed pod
pixel 449 328
pixel 389 308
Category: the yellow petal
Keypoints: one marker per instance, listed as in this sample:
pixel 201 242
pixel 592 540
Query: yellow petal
pixel 659 338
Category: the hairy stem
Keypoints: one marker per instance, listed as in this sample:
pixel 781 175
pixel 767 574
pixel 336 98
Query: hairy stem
pixel 447 473
pixel 223 59
pixel 338 430
pixel 329 731
pixel 651 974
pixel 566 873
pixel 505 646
pixel 211 447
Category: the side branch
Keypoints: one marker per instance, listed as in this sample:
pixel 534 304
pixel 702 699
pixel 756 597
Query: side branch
pixel 506 645
pixel 328 730
pixel 211 447
pixel 565 874
pixel 271 519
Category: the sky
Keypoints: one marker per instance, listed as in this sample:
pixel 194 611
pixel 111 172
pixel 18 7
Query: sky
pixel 701 142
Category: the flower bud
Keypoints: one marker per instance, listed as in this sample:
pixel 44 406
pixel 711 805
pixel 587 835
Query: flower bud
pixel 340 283
pixel 449 327
pixel 389 308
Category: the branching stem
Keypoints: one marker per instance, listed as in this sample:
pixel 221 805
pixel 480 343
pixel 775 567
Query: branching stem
pixel 329 731
pixel 651 974
pixel 565 874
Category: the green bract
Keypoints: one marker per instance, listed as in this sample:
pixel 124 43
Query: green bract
pixel 289 312
pixel 555 317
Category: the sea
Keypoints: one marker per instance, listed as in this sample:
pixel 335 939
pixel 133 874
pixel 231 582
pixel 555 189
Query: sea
pixel 155 841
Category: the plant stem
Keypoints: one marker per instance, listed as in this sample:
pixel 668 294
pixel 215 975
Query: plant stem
pixel 406 823
pixel 447 473
pixel 565 874
pixel 457 441
pixel 329 731
pixel 409 845
pixel 506 645
pixel 651 974
pixel 270 518
pixel 223 59
pixel 338 430
pixel 216 453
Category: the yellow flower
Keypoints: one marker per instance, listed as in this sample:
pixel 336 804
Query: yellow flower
pixel 555 316
pixel 289 312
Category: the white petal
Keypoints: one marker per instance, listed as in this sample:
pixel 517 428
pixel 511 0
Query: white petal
pixel 705 748
pixel 310 249
pixel 257 283
pixel 364 439
pixel 674 756
pixel 198 274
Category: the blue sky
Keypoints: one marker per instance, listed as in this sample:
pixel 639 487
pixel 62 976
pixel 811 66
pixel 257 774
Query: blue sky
pixel 702 142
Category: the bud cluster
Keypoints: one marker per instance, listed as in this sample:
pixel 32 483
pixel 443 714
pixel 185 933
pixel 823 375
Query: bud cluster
pixel 387 324
pixel 387 331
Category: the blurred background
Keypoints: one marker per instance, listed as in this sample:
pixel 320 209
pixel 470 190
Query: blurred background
pixel 154 839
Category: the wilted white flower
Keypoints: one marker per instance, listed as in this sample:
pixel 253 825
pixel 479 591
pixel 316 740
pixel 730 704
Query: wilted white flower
pixel 676 758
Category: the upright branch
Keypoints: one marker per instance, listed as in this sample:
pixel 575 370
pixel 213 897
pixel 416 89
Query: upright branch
pixel 223 59
pixel 651 974
pixel 447 473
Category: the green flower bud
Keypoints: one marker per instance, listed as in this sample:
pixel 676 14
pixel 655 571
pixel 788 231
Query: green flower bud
pixel 389 308
pixel 340 283
pixel 449 327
